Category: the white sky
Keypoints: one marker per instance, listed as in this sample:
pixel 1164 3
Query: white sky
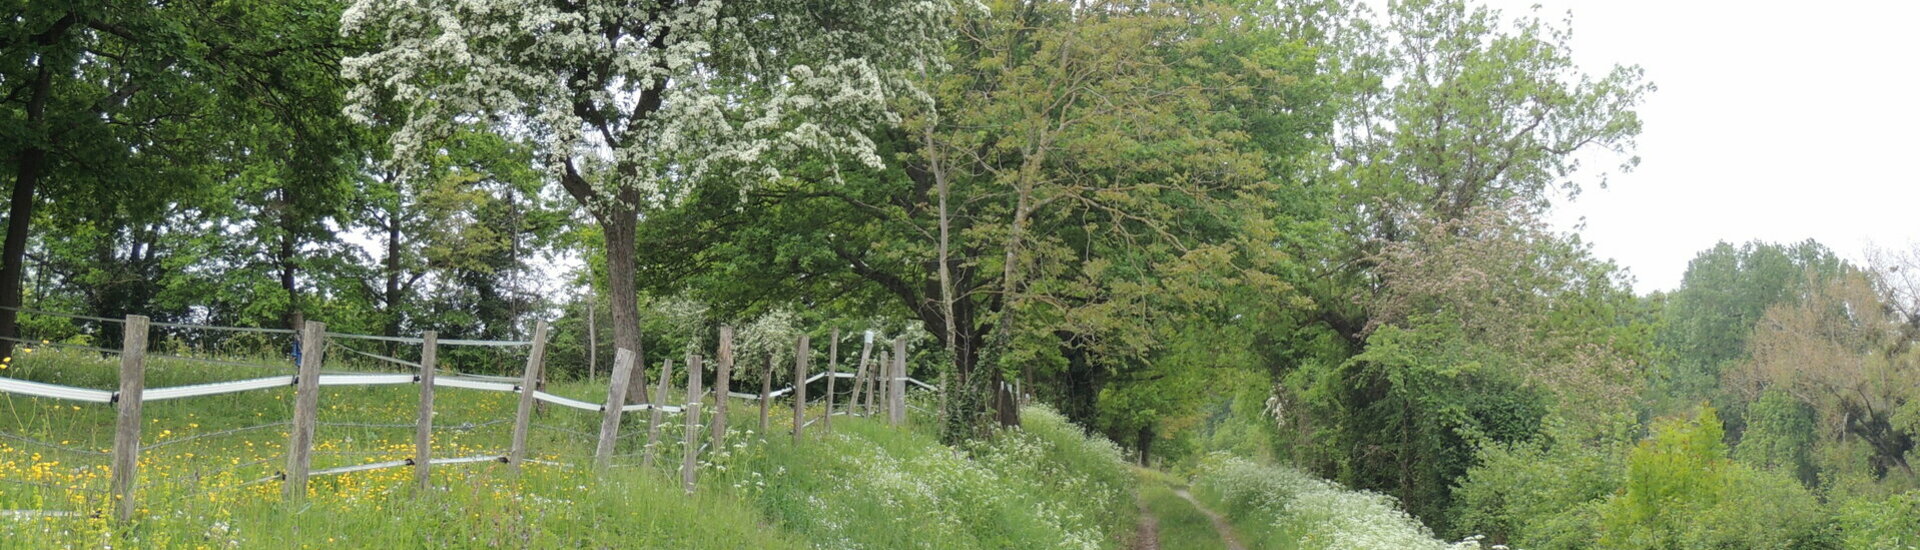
pixel 1778 121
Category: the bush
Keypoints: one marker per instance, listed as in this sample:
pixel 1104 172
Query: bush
pixel 1892 524
pixel 1682 492
pixel 1542 495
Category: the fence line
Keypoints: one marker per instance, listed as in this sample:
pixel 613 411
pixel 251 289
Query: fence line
pixel 299 451
pixel 418 340
pixel 165 444
pixel 51 445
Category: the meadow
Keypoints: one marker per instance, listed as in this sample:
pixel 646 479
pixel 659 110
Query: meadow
pixel 208 474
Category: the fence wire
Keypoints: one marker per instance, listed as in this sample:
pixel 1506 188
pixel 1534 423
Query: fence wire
pixel 50 445
pixel 222 433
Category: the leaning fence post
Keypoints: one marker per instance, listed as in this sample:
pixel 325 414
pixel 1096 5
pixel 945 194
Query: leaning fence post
pixel 833 372
pixel 880 368
pixel 529 384
pixel 766 395
pixel 722 386
pixel 860 373
pixel 615 403
pixel 801 350
pixel 897 409
pixel 126 434
pixel 423 434
pixel 659 400
pixel 690 443
pixel 306 410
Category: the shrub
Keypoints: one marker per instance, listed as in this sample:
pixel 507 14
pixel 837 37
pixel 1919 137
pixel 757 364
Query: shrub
pixel 1682 492
pixel 1892 524
pixel 1542 495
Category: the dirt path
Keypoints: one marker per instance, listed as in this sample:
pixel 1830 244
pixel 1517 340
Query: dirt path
pixel 1148 537
pixel 1220 524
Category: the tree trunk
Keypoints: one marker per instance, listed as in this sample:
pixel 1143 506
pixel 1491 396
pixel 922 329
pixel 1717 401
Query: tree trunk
pixel 950 336
pixel 32 164
pixel 293 317
pixel 620 228
pixel 392 264
pixel 19 220
pixel 1010 286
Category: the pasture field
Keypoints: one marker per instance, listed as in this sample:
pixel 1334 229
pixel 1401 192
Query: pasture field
pixel 209 466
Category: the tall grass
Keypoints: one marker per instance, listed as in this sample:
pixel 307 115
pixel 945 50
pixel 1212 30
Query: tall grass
pixel 867 485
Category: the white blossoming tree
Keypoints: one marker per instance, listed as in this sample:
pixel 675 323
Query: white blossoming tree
pixel 629 102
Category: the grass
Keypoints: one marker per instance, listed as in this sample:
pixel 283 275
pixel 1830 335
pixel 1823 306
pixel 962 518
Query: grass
pixel 866 485
pixel 1280 508
pixel 1182 526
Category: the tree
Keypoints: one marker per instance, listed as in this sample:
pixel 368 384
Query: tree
pixel 1844 351
pixel 630 104
pixel 1486 326
pixel 90 90
pixel 1708 319
pixel 1108 172
pixel 183 98
pixel 1683 492
pixel 1455 108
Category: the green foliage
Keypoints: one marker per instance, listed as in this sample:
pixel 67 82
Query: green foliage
pixel 1709 318
pixel 1682 492
pixel 1891 524
pixel 1780 436
pixel 1543 494
pixel 1412 411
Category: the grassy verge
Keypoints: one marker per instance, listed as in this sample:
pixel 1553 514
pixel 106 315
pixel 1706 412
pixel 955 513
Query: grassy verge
pixel 870 486
pixel 1280 508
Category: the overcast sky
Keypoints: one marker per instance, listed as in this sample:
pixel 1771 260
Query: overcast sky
pixel 1778 121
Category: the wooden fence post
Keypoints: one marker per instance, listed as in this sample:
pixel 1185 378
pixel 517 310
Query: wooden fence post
pixel 860 373
pixel 659 400
pixel 880 368
pixel 897 411
pixel 126 434
pixel 423 433
pixel 611 411
pixel 306 410
pixel 833 373
pixel 722 386
pixel 801 349
pixel 690 442
pixel 766 396
pixel 529 383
